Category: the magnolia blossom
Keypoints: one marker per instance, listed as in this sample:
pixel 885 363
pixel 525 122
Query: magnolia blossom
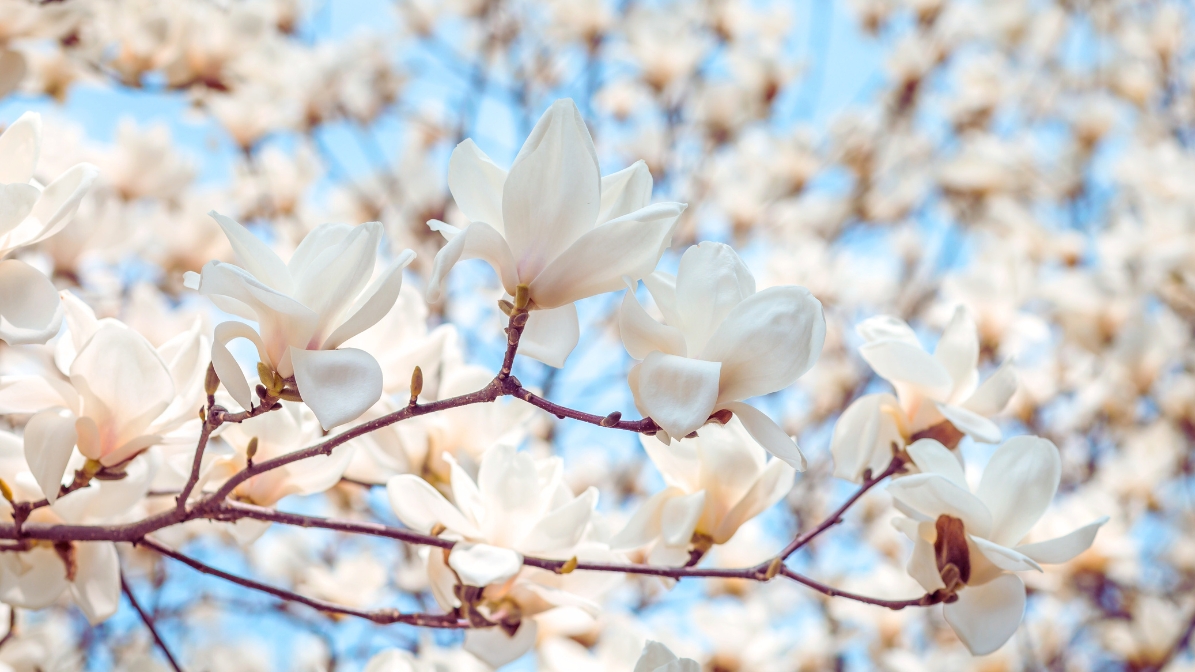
pixel 659 658
pixel 305 309
pixel 124 395
pixel 555 224
pixel 716 482
pixel 721 342
pixel 930 389
pixel 967 543
pixel 30 213
pixel 518 505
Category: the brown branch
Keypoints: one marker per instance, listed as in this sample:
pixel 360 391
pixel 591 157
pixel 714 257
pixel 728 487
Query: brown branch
pixel 380 616
pixel 149 624
pixel 197 463
pixel 936 597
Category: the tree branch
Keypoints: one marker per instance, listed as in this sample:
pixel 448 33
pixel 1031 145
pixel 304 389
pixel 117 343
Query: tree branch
pixel 149 624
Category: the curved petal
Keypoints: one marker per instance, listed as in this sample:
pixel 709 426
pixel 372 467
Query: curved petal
pixel 495 648
pixel 766 342
pixel 768 434
pixel 20 147
pixel 886 328
pixel 864 435
pixel 49 440
pixel 373 304
pixel 551 335
pixel 931 457
pixel 96 587
pixel 337 385
pixel 625 191
pixel 331 275
pixel 227 369
pixel 901 362
pixel 32 580
pixel 553 191
pixel 677 392
pixel 1065 548
pixel 59 203
pixel 773 484
pixel 420 506
pixel 984 617
pixel 644 525
pixel 710 282
pixel 475 182
pixel 655 656
pixel 971 423
pixel 1018 485
pixel 641 335
pixel 932 495
pixel 255 256
pixel 1005 558
pixel 478 241
pixel 482 564
pixel 30 309
pixel 958 352
pixel 562 529
pixel 123 382
pixel 662 287
pixel 598 260
pixel 993 394
pixel 679 516
pixel 16 202
pixel 30 394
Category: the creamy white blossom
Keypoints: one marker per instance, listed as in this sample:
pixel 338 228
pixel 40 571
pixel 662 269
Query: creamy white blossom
pixel 658 658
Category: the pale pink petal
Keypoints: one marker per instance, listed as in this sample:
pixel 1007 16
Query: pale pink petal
pixel 96 587
pixel 1005 558
pixel 495 648
pixel 49 441
pixel 932 495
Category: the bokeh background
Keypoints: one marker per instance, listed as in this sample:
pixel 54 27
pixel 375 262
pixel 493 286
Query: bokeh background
pixel 1030 160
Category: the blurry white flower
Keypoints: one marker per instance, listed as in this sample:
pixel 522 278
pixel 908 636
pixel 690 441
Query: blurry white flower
pixel 29 213
pixel 721 342
pixel 966 544
pixel 305 309
pixel 555 224
pixel 658 658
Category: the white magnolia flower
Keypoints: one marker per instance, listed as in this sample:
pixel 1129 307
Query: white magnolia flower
pixel 29 213
pixel 930 390
pixel 517 506
pixel 716 482
pixel 658 658
pixel 305 309
pixel 966 543
pixel 721 342
pixel 124 395
pixel 555 224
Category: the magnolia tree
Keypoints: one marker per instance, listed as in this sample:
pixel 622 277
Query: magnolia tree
pixel 913 380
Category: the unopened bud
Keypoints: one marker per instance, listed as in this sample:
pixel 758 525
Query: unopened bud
pixel 265 374
pixel 261 390
pixel 437 529
pixel 251 450
pixel 611 420
pixel 522 297
pixel 773 569
pixel 568 567
pixel 202 414
pixel 289 394
pixel 6 491
pixel 211 382
pixel 520 320
pixel 506 306
pixel 416 383
pixel 91 467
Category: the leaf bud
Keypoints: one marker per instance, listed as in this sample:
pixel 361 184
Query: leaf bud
pixel 211 381
pixel 416 383
pixel 522 297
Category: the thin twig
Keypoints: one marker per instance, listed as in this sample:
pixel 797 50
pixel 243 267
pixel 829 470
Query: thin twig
pixel 196 464
pixel 12 627
pixel 149 624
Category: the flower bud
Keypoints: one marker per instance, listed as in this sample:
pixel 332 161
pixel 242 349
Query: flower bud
pixel 211 381
pixel 568 567
pixel 506 307
pixel 251 450
pixel 6 491
pixel 416 383
pixel 522 297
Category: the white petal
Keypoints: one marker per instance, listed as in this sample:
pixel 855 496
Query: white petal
pixel 373 304
pixel 478 241
pixel 901 362
pixel 122 376
pixel 596 263
pixel 931 457
pixel 420 506
pixel 766 342
pixel 475 182
pixel 96 587
pixel 30 394
pixel 553 191
pixel 255 256
pixel 984 617
pixel 227 369
pixel 625 191
pixel 644 525
pixel 338 385
pixel 923 566
pixel 30 310
pixel 20 146
pixel 655 655
pixel 775 482
pixel 16 202
pixel 710 282
pixel 1018 485
pixel 281 319
pixel 993 394
pixel 678 392
pixel 970 423
pixel 642 335
pixel 886 328
pixel 958 352
pixel 482 564
pixel 60 201
pixel 562 529
pixel 679 516
pixel 391 660
pixel 494 648
pixel 550 335
pixel 932 495
pixel 864 436
pixel 49 440
pixel 1064 548
pixel 662 287
pixel 332 275
pixel 1005 558
pixel 32 580
pixel 768 434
